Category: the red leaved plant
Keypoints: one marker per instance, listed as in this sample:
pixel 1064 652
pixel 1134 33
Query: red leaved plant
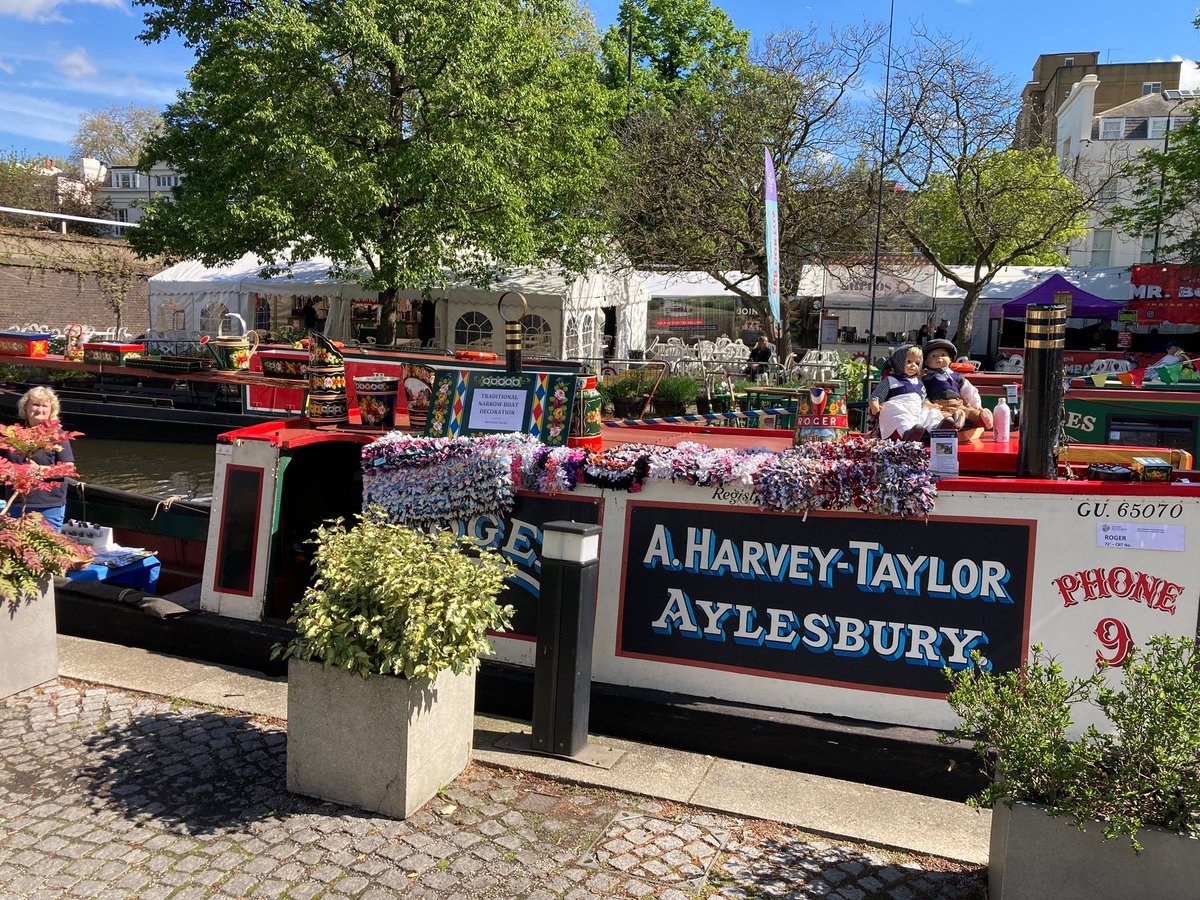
pixel 30 550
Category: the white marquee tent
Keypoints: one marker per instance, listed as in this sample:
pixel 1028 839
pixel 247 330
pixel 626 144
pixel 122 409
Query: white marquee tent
pixel 565 318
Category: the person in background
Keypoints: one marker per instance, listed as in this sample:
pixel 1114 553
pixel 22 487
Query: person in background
pixel 38 406
pixel 310 316
pixel 940 331
pixel 760 355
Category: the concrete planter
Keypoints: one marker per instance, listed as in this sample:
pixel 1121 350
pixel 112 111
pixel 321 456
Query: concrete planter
pixel 28 642
pixel 382 744
pixel 1034 855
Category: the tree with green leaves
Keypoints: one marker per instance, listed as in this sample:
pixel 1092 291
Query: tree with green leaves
pixel 688 194
pixel 678 45
pixel 972 203
pixel 410 142
pixel 117 134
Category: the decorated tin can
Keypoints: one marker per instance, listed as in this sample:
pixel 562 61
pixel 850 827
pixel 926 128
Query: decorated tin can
pixel 326 379
pixel 377 399
pixel 327 409
pixel 585 424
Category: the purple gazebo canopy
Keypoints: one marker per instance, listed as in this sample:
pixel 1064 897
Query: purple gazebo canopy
pixel 1083 304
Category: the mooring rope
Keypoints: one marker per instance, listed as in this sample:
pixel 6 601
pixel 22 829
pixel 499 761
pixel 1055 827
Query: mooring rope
pixel 165 503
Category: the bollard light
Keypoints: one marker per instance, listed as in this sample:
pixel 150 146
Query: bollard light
pixel 566 620
pixel 571 542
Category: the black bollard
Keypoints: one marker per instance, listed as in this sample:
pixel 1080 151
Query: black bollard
pixel 513 330
pixel 1042 391
pixel 562 674
pixel 512 347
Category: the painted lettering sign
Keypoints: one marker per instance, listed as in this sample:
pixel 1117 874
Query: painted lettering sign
pixel 881 604
pixel 518 537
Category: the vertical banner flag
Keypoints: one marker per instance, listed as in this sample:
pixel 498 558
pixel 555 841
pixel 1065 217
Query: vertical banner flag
pixel 772 221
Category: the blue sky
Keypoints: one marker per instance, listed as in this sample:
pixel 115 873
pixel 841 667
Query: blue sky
pixel 61 58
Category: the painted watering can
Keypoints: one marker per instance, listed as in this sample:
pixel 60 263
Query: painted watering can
pixel 232 349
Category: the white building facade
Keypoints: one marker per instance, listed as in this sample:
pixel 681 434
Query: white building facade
pixel 1091 148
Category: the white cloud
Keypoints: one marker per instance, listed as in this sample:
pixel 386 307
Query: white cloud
pixel 1189 73
pixel 76 65
pixel 31 116
pixel 8 68
pixel 46 11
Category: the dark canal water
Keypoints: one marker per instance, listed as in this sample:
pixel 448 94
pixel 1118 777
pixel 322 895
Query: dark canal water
pixel 159 469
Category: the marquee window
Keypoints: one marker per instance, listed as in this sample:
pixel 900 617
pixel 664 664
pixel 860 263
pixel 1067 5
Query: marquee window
pixel 212 316
pixel 536 339
pixel 473 330
pixel 171 315
pixel 571 338
pixel 587 335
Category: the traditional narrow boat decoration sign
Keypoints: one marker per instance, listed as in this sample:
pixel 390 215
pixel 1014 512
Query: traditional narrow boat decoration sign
pixel 846 600
pixel 466 403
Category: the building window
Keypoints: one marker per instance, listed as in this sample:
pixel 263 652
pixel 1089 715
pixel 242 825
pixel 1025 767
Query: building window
pixel 125 180
pixel 1157 128
pixel 1147 248
pixel 1068 62
pixel 1109 191
pixel 473 330
pixel 535 336
pixel 122 214
pixel 166 181
pixel 1112 129
pixel 1151 87
pixel 1101 247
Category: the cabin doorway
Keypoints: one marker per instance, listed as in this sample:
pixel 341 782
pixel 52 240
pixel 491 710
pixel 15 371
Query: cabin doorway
pixel 318 482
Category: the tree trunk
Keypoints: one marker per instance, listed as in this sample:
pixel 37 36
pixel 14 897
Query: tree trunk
pixel 389 317
pixel 966 320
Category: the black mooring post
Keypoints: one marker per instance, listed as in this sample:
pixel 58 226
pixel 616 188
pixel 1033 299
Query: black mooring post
pixel 562 675
pixel 1042 391
pixel 513 329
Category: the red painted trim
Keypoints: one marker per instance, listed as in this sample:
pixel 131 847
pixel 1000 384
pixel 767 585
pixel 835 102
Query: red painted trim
pixel 1069 488
pixel 254 542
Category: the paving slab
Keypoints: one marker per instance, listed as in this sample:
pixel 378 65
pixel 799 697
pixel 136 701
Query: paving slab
pixel 823 806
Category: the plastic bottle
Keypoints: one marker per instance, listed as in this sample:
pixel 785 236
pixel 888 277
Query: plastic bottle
pixel 1001 422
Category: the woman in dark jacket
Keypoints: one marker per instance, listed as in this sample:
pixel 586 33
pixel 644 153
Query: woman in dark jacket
pixel 38 406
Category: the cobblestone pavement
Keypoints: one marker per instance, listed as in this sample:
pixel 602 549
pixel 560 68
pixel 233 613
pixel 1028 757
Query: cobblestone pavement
pixel 108 793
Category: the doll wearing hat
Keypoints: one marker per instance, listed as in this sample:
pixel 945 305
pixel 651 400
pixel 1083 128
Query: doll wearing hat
pixel 956 397
pixel 899 399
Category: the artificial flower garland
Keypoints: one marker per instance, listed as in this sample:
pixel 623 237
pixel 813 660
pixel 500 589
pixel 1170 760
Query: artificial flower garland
pixel 420 481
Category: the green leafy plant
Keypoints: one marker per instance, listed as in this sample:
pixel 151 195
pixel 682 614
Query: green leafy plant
pixel 388 600
pixel 625 386
pixel 852 371
pixel 677 389
pixel 1144 771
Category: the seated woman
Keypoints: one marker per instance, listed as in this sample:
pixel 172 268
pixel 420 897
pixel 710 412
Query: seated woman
pixel 899 399
pixel 950 390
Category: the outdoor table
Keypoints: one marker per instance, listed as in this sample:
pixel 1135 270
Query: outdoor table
pixel 141 573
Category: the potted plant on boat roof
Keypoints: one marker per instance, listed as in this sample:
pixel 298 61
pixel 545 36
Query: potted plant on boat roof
pixel 31 553
pixel 627 392
pixel 1114 812
pixel 381 677
pixel 673 395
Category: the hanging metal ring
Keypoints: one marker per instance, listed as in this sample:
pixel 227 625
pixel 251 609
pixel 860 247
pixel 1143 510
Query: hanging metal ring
pixel 500 307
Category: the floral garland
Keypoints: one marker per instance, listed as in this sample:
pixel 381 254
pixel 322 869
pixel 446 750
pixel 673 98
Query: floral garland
pixel 419 481
pixel 887 478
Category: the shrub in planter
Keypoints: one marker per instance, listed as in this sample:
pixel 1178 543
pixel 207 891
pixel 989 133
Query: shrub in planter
pixel 1144 771
pixel 627 393
pixel 415 609
pixel 674 393
pixel 31 553
pixel 1140 779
